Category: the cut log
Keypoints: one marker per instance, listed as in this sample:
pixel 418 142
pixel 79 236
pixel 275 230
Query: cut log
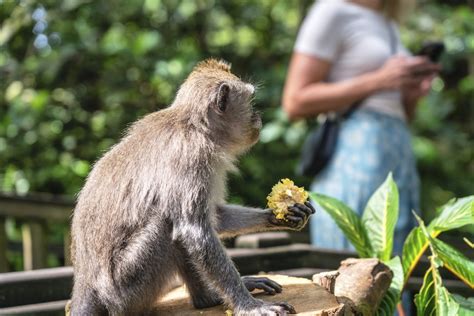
pixel 359 283
pixel 327 280
pixel 307 298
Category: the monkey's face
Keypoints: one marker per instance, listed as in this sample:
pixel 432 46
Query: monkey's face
pixel 233 116
pixel 214 96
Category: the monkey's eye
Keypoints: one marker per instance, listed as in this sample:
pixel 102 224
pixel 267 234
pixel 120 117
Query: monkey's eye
pixel 222 97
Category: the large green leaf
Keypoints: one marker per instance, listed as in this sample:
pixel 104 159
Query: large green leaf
pixel 454 261
pixel 392 297
pixel 454 214
pixel 380 217
pixel 413 248
pixel 348 222
pixel 433 298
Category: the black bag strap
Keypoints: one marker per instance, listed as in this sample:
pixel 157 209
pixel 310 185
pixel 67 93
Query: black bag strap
pixel 352 109
pixel 393 51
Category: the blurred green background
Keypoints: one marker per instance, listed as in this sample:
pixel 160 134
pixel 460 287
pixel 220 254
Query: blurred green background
pixel 75 73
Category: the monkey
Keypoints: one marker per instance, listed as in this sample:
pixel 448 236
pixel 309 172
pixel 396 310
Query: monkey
pixel 153 206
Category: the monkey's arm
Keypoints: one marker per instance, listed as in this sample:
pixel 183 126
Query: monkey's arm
pixel 236 220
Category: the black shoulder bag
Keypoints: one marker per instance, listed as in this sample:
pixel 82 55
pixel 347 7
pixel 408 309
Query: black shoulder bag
pixel 320 144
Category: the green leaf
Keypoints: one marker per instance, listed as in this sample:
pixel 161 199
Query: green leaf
pixel 388 303
pixel 348 222
pixel 454 261
pixel 454 214
pixel 413 248
pixel 395 265
pixel 380 217
pixel 392 297
pixel 433 298
pixel 466 305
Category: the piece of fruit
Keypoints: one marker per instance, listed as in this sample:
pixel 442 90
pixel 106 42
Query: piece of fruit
pixel 285 194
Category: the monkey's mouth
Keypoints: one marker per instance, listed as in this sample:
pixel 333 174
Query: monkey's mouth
pixel 256 125
pixel 256 121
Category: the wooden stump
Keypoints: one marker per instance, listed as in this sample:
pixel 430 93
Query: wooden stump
pixel 355 289
pixel 307 298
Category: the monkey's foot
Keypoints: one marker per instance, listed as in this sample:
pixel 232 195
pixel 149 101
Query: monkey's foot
pixel 268 286
pixel 205 301
pixel 267 309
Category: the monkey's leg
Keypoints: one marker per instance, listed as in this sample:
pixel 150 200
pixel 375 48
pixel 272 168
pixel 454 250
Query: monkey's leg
pixel 141 270
pixel 202 295
pixel 210 261
pixel 235 220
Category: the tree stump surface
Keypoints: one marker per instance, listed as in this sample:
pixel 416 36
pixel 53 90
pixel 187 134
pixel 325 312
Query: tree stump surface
pixel 358 285
pixel 305 296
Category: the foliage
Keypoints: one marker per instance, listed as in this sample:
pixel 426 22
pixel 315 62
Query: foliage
pixel 75 73
pixel 455 214
pixel 380 217
pixel 434 298
pixel 443 135
pixel 378 222
pixel 348 221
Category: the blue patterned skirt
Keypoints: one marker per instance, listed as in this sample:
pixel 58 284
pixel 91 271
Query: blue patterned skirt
pixel 370 145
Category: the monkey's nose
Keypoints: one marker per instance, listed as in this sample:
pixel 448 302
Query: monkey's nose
pixel 250 87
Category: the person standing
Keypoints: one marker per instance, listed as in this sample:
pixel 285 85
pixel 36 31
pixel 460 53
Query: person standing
pixel 348 52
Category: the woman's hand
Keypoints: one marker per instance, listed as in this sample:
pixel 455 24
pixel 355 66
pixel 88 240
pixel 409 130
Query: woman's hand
pixel 418 86
pixel 400 72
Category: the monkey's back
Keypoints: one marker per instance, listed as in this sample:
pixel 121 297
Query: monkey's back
pixel 137 182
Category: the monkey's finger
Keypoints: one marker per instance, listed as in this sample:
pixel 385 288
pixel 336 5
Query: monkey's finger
pixel 308 204
pixel 297 212
pixel 288 307
pixel 304 208
pixel 274 285
pixel 272 218
pixel 294 220
pixel 269 286
pixel 267 289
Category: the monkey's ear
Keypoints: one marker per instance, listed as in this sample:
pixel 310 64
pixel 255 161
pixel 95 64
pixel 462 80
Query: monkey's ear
pixel 222 97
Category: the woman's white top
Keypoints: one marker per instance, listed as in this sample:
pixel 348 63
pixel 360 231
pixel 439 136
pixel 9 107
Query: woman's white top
pixel 355 40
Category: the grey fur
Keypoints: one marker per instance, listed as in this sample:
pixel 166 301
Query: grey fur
pixel 153 206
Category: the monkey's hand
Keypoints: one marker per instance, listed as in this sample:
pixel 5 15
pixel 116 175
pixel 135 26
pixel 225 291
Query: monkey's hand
pixel 268 286
pixel 297 217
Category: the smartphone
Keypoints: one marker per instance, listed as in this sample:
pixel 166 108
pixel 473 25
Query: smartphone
pixel 432 50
